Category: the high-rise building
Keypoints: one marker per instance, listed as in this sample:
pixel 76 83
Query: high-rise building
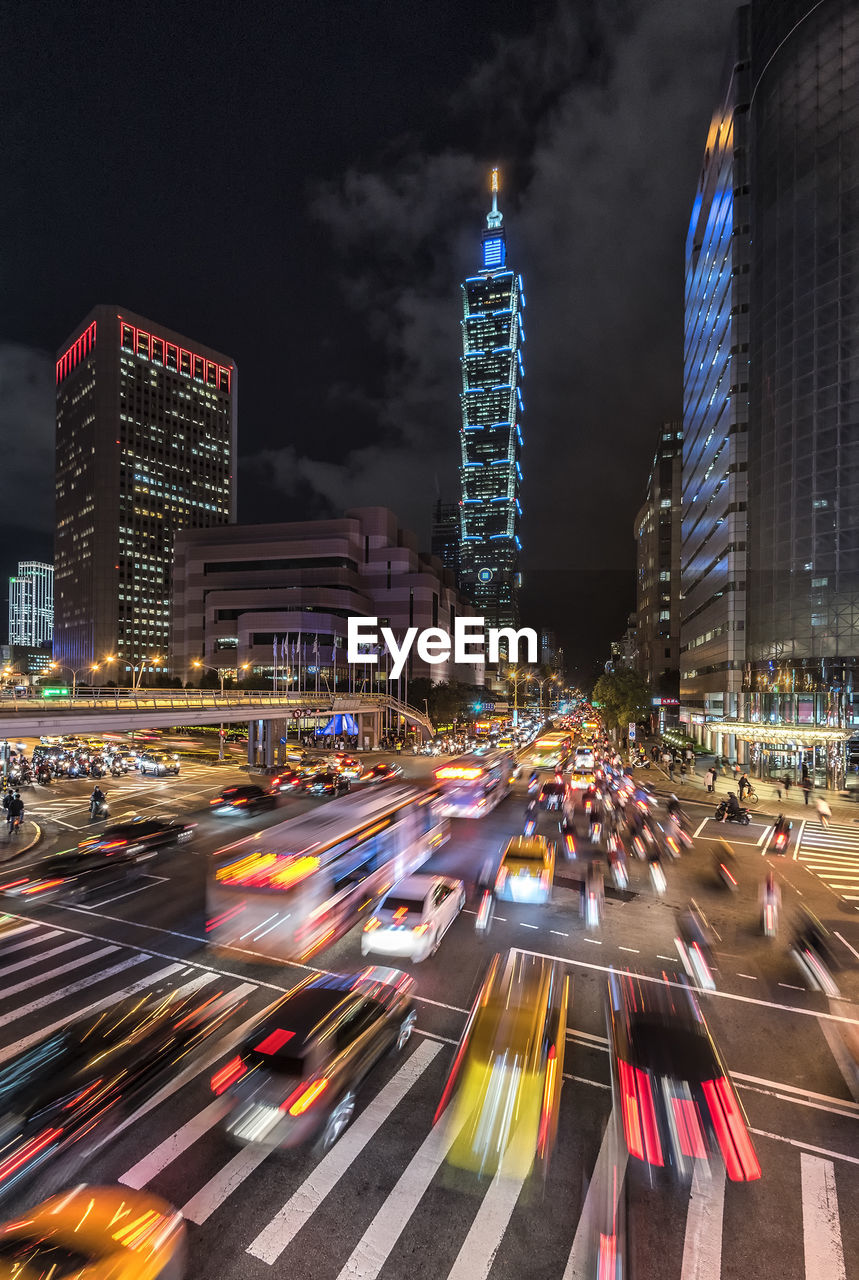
pixel 491 436
pixel 771 408
pixel 31 604
pixel 146 445
pixel 445 535
pixel 657 538
pixel 715 409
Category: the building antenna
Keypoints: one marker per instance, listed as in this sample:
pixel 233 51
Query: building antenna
pixel 494 218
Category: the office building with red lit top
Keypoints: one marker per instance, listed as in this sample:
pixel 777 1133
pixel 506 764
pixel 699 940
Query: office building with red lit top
pixel 145 446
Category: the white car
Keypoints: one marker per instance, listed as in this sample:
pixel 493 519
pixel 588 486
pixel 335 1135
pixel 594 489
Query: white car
pixel 583 759
pixel 413 917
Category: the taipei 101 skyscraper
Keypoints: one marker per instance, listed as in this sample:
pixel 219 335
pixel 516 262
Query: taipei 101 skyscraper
pixel 493 335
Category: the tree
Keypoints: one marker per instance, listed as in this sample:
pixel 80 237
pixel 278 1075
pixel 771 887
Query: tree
pixel 624 697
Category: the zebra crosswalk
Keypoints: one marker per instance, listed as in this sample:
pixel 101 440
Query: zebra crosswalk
pixel 383 1203
pixel 832 854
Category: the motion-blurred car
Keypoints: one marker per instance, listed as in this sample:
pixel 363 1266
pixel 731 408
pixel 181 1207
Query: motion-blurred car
pixel 61 1097
pixel 287 780
pixel 382 772
pixel 676 1099
pixel 72 876
pixel 551 795
pixel 236 801
pixel 140 836
pixel 502 1096
pixel 413 917
pixel 349 767
pixel 296 1075
pixel 327 784
pixel 95 1233
pixel 527 870
pixel 158 763
pixel 581 779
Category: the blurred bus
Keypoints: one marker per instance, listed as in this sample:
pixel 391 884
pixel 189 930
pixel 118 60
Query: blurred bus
pixel 551 749
pixel 294 888
pixel 472 785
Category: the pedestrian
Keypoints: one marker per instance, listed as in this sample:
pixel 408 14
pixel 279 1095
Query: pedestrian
pixel 724 765
pixel 824 812
pixel 737 771
pixel 654 753
pixel 671 767
pixel 805 771
pixel 786 782
pixel 15 812
pixel 710 776
pixel 690 759
pixel 744 786
pixel 806 788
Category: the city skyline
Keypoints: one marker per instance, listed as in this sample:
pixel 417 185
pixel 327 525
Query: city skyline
pixel 342 310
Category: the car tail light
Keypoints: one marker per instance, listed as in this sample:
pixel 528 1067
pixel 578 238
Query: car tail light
pixel 571 845
pixel 304 1096
pixel 29 1151
pixel 228 1075
pixel 420 928
pixel 501 877
pixel 607 1262
pixel 689 1130
pixel 731 1132
pixel 41 886
pixel 639 1116
pixel 373 923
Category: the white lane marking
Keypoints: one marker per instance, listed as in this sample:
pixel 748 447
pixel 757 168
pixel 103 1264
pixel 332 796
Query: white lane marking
pixel 166 1152
pixel 46 977
pixel 635 950
pixel 805 1146
pixel 596 941
pixel 799 836
pixel 700 828
pixel 475 1258
pixel 128 893
pixel 13 933
pixel 673 959
pixel 847 944
pixel 20 1046
pixel 558 933
pixel 790 1088
pixel 523 925
pixel 373 1249
pixel 702 1243
pixel 606 1184
pixel 43 955
pixel 750 976
pixel 790 987
pixel 821 1226
pixel 721 995
pixel 288 1221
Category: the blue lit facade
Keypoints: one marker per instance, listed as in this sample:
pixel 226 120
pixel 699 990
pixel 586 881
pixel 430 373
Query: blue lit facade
pixel 715 413
pixel 493 335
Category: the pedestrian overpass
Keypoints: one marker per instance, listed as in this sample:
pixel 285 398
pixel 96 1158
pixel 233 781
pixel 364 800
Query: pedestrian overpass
pixel 269 715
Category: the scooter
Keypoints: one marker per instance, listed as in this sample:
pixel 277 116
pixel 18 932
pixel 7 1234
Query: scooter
pixel 725 865
pixel 694 943
pixel 814 956
pixel 724 814
pixel 593 896
pixel 770 902
pixel 781 839
pixel 657 875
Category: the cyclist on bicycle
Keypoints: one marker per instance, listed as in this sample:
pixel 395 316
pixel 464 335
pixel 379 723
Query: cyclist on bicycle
pixel 744 786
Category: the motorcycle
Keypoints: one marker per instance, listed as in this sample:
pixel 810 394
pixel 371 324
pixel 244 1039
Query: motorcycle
pixel 694 943
pixel 770 901
pixel 814 956
pixel 485 912
pixel 593 896
pixel 781 839
pixel 725 814
pixel 98 809
pixel 657 875
pixel 726 868
pixel 617 863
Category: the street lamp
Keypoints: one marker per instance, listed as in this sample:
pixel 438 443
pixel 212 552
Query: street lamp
pixel 546 680
pixel 74 672
pixel 517 679
pixel 219 671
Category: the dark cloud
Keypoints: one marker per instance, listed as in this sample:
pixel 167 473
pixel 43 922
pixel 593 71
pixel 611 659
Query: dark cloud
pixel 598 117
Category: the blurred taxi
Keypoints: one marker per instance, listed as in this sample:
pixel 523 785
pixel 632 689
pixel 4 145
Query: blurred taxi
pixel 527 870
pixel 502 1096
pixel 581 779
pixel 677 1102
pixel 95 1233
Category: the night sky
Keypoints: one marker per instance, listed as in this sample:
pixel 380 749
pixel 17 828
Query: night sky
pixel 302 186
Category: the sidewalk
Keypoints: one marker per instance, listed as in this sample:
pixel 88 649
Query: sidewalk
pixel 694 787
pixel 13 846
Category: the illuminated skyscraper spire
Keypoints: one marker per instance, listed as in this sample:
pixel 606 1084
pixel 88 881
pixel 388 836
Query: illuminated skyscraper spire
pixel 490 436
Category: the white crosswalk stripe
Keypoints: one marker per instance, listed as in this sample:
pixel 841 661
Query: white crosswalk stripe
pixel 832 854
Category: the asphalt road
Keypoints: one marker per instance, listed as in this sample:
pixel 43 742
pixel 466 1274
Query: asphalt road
pixel 383 1203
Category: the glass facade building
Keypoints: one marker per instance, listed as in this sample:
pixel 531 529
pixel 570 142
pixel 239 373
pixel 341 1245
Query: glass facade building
pixel 493 335
pixel 803 599
pixel 657 537
pixel 715 408
pixel 31 604
pixel 145 446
